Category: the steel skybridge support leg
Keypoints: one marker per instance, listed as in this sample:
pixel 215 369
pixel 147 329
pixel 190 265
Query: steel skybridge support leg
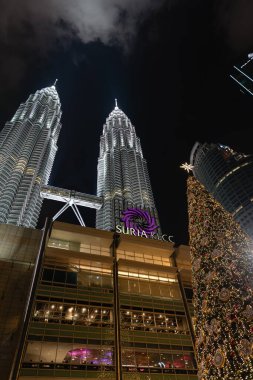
pixel 78 215
pixel 61 211
pixel 78 212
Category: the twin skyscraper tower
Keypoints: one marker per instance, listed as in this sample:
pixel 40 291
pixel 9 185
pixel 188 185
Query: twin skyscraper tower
pixel 124 200
pixel 28 144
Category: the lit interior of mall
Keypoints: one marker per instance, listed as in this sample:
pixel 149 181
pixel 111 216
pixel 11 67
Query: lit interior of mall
pixel 73 320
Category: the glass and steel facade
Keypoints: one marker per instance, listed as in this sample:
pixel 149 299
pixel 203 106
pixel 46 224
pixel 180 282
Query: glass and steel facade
pixel 108 306
pixel 19 248
pixel 123 179
pixel 228 176
pixel 28 144
pixel 242 75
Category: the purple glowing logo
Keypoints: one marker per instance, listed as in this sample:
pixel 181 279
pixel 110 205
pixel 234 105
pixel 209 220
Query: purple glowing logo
pixel 140 220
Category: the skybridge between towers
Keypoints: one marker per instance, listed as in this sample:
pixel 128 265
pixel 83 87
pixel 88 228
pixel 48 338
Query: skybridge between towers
pixel 71 199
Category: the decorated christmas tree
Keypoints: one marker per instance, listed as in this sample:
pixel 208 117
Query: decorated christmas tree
pixel 222 265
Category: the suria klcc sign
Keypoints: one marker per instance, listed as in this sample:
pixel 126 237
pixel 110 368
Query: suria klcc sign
pixel 138 222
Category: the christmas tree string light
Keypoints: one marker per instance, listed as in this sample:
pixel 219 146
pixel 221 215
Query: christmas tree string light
pixel 222 267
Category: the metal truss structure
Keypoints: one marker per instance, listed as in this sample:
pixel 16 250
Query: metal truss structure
pixel 72 199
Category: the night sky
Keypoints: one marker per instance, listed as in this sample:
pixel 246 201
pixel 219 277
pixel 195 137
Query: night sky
pixel 167 63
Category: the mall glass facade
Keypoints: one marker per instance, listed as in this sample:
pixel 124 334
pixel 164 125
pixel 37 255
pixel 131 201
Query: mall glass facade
pixel 19 248
pixel 90 286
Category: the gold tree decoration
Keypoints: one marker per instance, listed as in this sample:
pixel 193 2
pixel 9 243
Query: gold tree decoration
pixel 131 376
pixel 106 375
pixel 222 268
pixel 126 376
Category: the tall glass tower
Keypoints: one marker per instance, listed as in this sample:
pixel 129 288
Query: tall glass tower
pixel 228 177
pixel 123 179
pixel 27 152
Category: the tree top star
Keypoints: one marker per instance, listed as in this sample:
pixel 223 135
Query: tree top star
pixel 187 167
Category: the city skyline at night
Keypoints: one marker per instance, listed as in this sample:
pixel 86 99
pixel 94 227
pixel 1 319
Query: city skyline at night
pixel 155 283
pixel 168 65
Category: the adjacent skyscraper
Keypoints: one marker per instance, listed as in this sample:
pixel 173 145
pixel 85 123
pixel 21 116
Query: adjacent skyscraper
pixel 123 179
pixel 28 144
pixel 228 177
pixel 242 75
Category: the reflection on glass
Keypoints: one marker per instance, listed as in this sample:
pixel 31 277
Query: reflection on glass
pixel 152 321
pixel 151 359
pixel 86 315
pixel 149 288
pixel 80 279
pixel 52 352
pixel 89 356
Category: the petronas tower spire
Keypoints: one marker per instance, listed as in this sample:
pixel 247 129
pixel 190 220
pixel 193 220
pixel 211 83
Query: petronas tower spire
pixel 123 180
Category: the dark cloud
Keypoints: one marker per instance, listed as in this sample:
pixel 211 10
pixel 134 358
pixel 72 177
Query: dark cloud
pixel 31 29
pixel 235 18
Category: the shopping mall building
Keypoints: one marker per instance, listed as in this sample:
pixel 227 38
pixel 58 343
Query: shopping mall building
pixel 101 305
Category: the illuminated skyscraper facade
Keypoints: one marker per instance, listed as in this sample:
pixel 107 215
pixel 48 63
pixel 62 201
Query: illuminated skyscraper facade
pixel 123 179
pixel 28 144
pixel 228 177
